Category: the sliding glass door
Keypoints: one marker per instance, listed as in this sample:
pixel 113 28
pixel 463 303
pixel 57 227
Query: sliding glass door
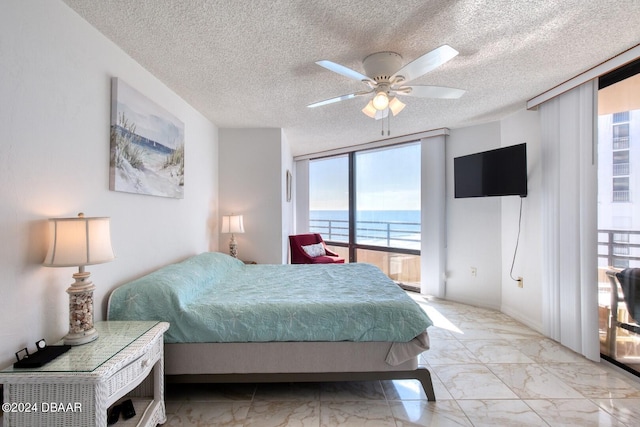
pixel 619 213
pixel 387 211
pixel 366 205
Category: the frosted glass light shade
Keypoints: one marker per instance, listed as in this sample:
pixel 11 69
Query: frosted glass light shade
pixel 370 111
pixel 232 224
pixel 80 241
pixel 395 105
pixel 380 101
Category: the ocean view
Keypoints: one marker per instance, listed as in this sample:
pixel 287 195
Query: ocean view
pixel 399 229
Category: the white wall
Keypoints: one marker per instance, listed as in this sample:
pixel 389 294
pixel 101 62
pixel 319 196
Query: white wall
pixel 55 80
pixel 252 176
pixel 288 226
pixel 524 304
pixel 474 227
pixel 482 232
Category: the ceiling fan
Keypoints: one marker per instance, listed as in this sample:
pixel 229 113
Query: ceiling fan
pixel 387 79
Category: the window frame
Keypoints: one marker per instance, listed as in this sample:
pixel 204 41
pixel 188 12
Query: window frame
pixel 352 244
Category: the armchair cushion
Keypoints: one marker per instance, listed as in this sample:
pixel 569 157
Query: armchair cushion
pixel 315 250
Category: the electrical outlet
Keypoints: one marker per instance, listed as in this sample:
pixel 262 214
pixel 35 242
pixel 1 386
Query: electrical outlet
pixel 474 272
pixel 520 282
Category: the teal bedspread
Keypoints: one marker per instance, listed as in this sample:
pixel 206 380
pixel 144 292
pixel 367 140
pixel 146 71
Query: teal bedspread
pixel 213 297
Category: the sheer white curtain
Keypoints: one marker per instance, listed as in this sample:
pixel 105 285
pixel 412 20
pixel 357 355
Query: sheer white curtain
pixel 569 222
pixel 301 196
pixel 433 216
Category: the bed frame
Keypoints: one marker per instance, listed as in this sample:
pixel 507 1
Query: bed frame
pixel 288 362
pixel 272 361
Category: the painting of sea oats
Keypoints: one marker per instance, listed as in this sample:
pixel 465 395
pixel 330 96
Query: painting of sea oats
pixel 147 145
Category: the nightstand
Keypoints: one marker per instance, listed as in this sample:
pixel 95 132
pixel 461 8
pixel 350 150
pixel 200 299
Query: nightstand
pixel 78 387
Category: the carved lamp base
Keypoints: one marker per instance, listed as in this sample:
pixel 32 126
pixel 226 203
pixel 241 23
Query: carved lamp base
pixel 81 330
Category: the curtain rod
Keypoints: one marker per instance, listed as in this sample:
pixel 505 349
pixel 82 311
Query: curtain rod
pixel 374 144
pixel 595 72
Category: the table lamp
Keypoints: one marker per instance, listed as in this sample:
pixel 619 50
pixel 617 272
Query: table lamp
pixel 232 224
pixel 79 242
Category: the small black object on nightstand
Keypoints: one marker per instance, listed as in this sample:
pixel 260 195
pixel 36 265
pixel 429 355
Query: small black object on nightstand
pixel 44 355
pixel 125 408
pixel 114 414
pixel 128 411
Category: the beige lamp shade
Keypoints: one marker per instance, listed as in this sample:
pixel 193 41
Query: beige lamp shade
pixel 80 241
pixel 232 224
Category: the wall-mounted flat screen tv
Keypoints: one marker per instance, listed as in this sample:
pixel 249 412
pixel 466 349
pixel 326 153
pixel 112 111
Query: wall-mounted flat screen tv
pixel 500 172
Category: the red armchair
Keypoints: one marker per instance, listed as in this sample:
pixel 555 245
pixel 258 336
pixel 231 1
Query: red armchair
pixel 300 256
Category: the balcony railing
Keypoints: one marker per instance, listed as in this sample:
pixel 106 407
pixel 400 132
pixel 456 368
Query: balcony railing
pixel 620 117
pixel 621 196
pixel 618 252
pixel 620 169
pixel 336 230
pixel 392 234
pixel 393 246
pixel 620 142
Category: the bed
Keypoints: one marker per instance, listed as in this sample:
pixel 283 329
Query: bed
pixel 232 322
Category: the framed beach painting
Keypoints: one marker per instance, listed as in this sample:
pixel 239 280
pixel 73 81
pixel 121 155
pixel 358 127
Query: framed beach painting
pixel 147 145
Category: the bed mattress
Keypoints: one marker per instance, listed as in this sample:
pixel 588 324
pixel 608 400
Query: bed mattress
pixel 215 298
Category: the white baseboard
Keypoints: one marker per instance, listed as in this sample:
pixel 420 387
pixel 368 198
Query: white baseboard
pixel 517 315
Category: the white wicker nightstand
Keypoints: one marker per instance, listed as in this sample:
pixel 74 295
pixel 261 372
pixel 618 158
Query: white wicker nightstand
pixel 78 387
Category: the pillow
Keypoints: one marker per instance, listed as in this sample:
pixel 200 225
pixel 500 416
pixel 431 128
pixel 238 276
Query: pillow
pixel 314 250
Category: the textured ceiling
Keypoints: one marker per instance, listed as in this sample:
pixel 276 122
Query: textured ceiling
pixel 252 63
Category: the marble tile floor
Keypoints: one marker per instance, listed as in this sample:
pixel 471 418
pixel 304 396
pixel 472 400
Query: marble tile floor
pixel 487 369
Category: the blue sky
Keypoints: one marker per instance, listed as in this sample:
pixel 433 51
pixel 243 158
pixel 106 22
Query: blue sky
pixel 386 179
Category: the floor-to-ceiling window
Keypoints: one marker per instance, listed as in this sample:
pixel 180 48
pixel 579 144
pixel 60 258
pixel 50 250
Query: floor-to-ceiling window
pixel 619 211
pixel 329 198
pixel 366 204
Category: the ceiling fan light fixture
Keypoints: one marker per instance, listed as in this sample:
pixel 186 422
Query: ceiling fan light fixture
pixel 386 85
pixel 370 110
pixel 395 105
pixel 380 101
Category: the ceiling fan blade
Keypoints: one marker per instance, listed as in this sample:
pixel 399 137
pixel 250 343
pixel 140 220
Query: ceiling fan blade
pixel 341 69
pixel 339 98
pixel 427 62
pixel 432 92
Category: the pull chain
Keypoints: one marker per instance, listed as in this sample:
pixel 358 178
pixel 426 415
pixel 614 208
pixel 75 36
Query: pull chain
pixel 388 124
